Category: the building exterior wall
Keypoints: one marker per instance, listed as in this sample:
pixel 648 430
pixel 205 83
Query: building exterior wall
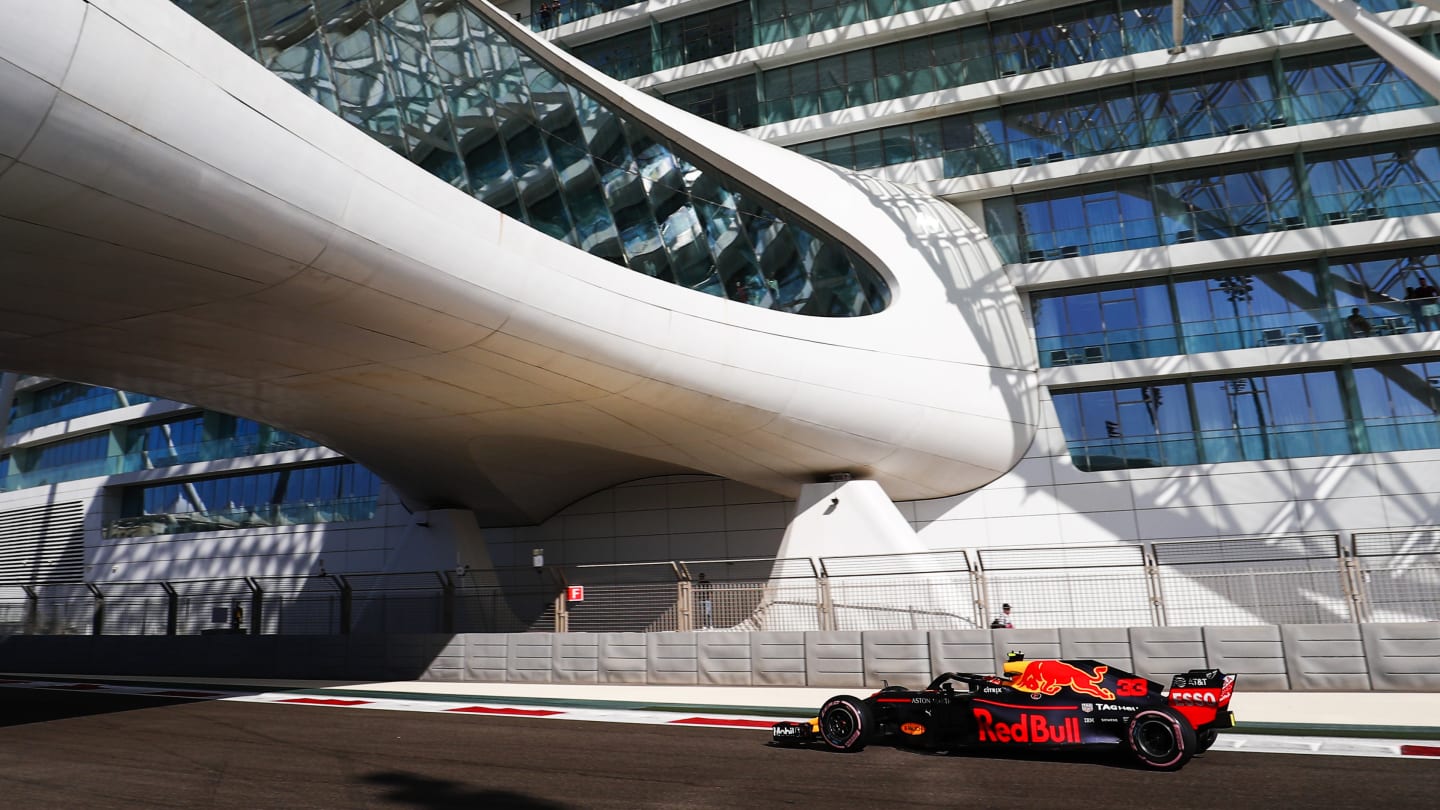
pixel 1044 499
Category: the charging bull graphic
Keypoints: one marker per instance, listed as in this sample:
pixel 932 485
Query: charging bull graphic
pixel 1049 677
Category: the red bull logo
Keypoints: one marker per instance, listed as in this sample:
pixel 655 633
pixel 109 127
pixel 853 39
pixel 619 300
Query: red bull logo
pixel 1029 728
pixel 1049 677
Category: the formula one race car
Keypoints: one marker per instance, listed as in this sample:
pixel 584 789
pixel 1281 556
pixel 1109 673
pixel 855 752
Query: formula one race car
pixel 1040 704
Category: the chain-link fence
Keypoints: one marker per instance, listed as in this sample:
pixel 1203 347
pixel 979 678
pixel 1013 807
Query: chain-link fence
pixel 759 593
pixel 1376 576
pixel 1273 580
pixel 928 591
pixel 626 597
pixel 1086 586
pixel 15 608
pixel 504 600
pixel 301 605
pixel 1398 575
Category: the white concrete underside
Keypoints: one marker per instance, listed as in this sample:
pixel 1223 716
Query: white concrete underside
pixel 176 220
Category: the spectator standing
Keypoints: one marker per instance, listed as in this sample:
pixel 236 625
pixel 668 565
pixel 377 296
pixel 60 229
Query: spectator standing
pixel 1412 304
pixel 1429 300
pixel 1358 324
pixel 1003 621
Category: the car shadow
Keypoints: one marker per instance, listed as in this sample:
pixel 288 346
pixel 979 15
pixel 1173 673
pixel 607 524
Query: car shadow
pixel 1103 757
pixel 434 794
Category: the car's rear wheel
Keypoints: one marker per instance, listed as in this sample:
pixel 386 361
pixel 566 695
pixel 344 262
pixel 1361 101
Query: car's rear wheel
pixel 846 723
pixel 1162 739
pixel 1205 739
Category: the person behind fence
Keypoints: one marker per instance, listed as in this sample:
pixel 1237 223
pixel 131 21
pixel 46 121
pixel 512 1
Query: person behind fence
pixel 1429 300
pixel 1359 325
pixel 237 615
pixel 1003 621
pixel 707 607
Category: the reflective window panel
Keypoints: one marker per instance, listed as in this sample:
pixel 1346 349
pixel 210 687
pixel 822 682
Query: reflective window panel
pixel 1395 406
pixel 435 82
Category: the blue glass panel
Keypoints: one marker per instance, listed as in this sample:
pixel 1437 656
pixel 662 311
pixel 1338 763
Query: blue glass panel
pixel 1400 404
pixel 1136 426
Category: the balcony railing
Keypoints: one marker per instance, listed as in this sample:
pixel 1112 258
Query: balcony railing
pixel 1242 331
pixel 339 510
pixel 171 456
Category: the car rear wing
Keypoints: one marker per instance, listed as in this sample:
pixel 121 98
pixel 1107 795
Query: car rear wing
pixel 1203 696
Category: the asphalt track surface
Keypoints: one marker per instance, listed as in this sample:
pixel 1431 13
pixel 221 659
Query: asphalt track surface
pixel 77 750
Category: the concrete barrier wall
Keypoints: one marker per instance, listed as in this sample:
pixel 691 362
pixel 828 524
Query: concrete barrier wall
pixel 622 658
pixel 777 659
pixel 1304 657
pixel 1325 657
pixel 834 658
pixel 1255 654
pixel 1402 657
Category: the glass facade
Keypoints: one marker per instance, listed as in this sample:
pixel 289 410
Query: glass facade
pixel 710 33
pixel 779 20
pixel 329 493
pixel 57 403
pixel 1335 298
pixel 1331 187
pixel 1296 90
pixel 437 83
pixel 130 448
pixel 80 457
pixel 545 14
pixel 1376 407
pixel 1055 38
pixel 730 103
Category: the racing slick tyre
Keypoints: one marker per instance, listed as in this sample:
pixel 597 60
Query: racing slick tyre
pixel 1204 740
pixel 1161 739
pixel 846 723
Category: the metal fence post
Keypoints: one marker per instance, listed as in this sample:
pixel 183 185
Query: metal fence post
pixel 982 594
pixel 684 597
pixel 562 602
pixel 826 617
pixel 345 603
pixel 257 604
pixel 1352 580
pixel 562 613
pixel 447 605
pixel 1152 584
pixel 97 622
pixel 172 609
pixel 32 610
pixel 684 616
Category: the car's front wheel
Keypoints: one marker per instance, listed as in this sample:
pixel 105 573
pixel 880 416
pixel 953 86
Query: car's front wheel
pixel 846 723
pixel 1162 739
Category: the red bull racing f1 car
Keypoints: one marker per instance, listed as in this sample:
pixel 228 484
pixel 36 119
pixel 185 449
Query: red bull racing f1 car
pixel 1043 704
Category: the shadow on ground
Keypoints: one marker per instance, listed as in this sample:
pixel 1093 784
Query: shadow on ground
pixel 44 705
pixel 434 794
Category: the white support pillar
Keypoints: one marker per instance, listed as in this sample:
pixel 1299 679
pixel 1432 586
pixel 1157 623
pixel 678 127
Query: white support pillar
pixel 850 519
pixel 1177 26
pixel 1418 64
pixel 847 518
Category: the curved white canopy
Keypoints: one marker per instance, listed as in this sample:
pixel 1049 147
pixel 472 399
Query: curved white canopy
pixel 176 220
